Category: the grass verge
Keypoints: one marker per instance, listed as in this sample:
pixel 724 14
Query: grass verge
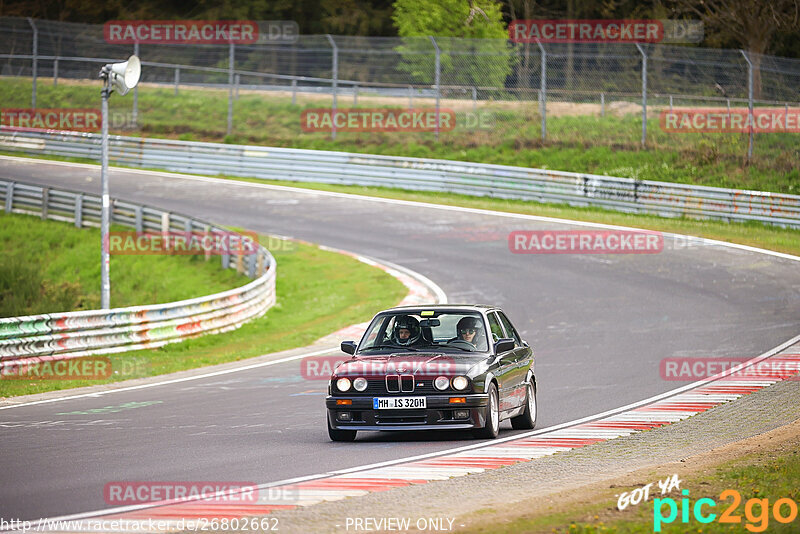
pixel 511 135
pixel 771 473
pixel 51 266
pixel 318 292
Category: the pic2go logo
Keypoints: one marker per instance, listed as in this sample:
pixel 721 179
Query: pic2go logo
pixel 756 511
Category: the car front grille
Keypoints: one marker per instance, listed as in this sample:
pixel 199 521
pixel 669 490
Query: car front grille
pixel 377 386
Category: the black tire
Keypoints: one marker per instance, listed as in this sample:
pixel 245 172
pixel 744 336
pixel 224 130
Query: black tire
pixel 527 419
pixel 492 427
pixel 341 435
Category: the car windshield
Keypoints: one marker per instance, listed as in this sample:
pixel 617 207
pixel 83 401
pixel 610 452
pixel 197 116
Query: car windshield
pixel 426 330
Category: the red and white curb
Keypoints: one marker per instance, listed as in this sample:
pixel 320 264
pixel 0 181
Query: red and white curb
pixel 664 409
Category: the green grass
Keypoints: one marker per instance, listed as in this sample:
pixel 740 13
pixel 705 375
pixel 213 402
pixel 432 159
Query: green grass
pixel 49 266
pixel 768 475
pixel 318 292
pixel 587 143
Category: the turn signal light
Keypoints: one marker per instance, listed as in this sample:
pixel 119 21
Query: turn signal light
pixel 458 400
pixel 344 401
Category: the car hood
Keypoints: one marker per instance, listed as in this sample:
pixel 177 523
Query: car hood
pixel 417 363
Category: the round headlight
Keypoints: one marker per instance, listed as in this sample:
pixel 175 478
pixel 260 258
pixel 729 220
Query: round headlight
pixel 360 384
pixel 343 384
pixel 460 383
pixel 441 383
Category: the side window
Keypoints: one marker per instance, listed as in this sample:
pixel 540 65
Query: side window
pixel 494 326
pixel 509 328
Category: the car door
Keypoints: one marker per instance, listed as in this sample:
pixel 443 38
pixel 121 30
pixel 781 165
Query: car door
pixel 522 354
pixel 505 363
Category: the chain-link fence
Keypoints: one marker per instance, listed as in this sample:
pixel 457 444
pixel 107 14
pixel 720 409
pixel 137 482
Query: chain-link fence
pixel 601 77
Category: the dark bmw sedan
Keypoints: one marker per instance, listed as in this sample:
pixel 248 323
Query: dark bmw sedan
pixel 434 367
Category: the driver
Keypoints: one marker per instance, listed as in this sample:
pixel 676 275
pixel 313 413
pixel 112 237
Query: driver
pixel 468 329
pixel 406 330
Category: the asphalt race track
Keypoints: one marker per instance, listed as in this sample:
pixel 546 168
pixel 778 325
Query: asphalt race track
pixel 600 325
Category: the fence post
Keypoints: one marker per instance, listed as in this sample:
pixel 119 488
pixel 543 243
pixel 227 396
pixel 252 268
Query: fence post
pixel 294 91
pixel 238 80
pixel 543 92
pixel 670 103
pixel 355 95
pixel 334 82
pixel 410 97
pixel 55 72
pixel 474 99
pixel 231 52
pixel 135 118
pixel 749 101
pixel 35 59
pixel 602 104
pixel 437 81
pixel 177 79
pixel 644 93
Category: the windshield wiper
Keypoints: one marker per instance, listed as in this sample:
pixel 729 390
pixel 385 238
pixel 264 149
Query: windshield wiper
pixel 391 347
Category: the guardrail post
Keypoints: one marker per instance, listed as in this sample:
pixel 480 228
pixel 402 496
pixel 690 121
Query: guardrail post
pixel 355 95
pixel 9 197
pixel 207 253
pixel 334 82
pixel 226 260
pixel 294 92
pixel 543 91
pixel 45 202
pixel 231 53
pixel 137 211
pixel 79 210
pixel 34 60
pixel 135 117
pixel 644 93
pixel 437 81
pixel 165 222
pixel 260 263
pixel 55 72
pixel 251 265
pixel 749 102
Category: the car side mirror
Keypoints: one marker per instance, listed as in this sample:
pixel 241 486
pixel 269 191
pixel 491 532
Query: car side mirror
pixel 503 345
pixel 349 347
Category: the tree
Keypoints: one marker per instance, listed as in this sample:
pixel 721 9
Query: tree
pixel 470 33
pixel 752 24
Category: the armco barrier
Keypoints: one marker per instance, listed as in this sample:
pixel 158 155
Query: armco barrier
pixel 73 334
pixel 623 194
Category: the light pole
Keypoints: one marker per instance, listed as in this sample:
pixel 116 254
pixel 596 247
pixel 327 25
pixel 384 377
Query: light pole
pixel 120 77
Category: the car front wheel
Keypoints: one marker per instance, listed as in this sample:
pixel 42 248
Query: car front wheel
pixel 341 435
pixel 492 427
pixel 527 419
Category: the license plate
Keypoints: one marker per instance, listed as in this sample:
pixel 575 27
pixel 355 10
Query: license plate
pixel 398 403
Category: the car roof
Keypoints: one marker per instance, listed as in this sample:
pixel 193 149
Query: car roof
pixel 452 307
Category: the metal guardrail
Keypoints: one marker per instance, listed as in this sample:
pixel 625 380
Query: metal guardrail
pixel 24 340
pixel 476 179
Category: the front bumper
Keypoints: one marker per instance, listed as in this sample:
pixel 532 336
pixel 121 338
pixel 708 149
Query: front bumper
pixel 438 414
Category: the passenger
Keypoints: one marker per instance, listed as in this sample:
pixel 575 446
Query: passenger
pixel 469 329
